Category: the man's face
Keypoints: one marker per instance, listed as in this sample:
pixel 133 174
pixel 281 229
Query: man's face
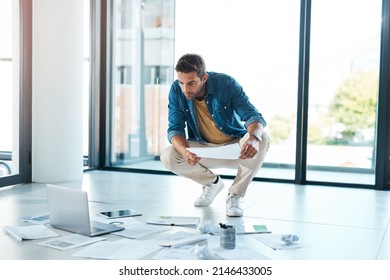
pixel 191 85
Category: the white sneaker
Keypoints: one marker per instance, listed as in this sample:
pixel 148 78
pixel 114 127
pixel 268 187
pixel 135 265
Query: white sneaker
pixel 233 207
pixel 209 193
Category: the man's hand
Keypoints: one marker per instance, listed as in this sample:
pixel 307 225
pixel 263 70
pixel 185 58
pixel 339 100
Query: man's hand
pixel 191 158
pixel 249 148
pixel 181 145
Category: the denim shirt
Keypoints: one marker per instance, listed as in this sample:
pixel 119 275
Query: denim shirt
pixel 226 101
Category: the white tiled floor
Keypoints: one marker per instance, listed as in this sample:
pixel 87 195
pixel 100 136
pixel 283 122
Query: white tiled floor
pixel 334 223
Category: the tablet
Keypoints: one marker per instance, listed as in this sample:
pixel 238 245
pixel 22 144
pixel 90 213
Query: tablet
pixel 119 213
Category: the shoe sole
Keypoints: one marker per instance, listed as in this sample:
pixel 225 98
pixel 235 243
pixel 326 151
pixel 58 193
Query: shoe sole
pixel 238 215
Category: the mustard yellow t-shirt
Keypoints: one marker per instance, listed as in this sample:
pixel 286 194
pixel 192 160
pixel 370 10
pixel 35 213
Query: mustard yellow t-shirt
pixel 207 127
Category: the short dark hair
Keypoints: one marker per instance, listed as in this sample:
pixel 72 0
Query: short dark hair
pixel 191 63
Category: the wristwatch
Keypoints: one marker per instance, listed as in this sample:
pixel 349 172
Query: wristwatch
pixel 256 135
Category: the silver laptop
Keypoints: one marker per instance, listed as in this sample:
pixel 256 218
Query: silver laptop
pixel 68 210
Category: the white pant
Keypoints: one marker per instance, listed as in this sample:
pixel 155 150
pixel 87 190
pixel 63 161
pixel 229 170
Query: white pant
pixel 201 173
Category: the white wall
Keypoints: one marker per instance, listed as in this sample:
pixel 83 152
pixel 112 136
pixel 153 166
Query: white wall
pixel 57 124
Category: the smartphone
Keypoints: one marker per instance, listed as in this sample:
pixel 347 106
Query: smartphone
pixel 119 213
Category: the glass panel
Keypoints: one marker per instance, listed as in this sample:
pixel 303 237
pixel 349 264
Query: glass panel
pixel 9 87
pixel 256 42
pixel 141 74
pixel 343 88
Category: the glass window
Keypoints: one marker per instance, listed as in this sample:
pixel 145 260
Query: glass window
pixel 9 87
pixel 343 89
pixel 141 74
pixel 257 43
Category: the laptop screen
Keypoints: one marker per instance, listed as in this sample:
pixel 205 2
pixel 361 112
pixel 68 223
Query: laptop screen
pixel 68 209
